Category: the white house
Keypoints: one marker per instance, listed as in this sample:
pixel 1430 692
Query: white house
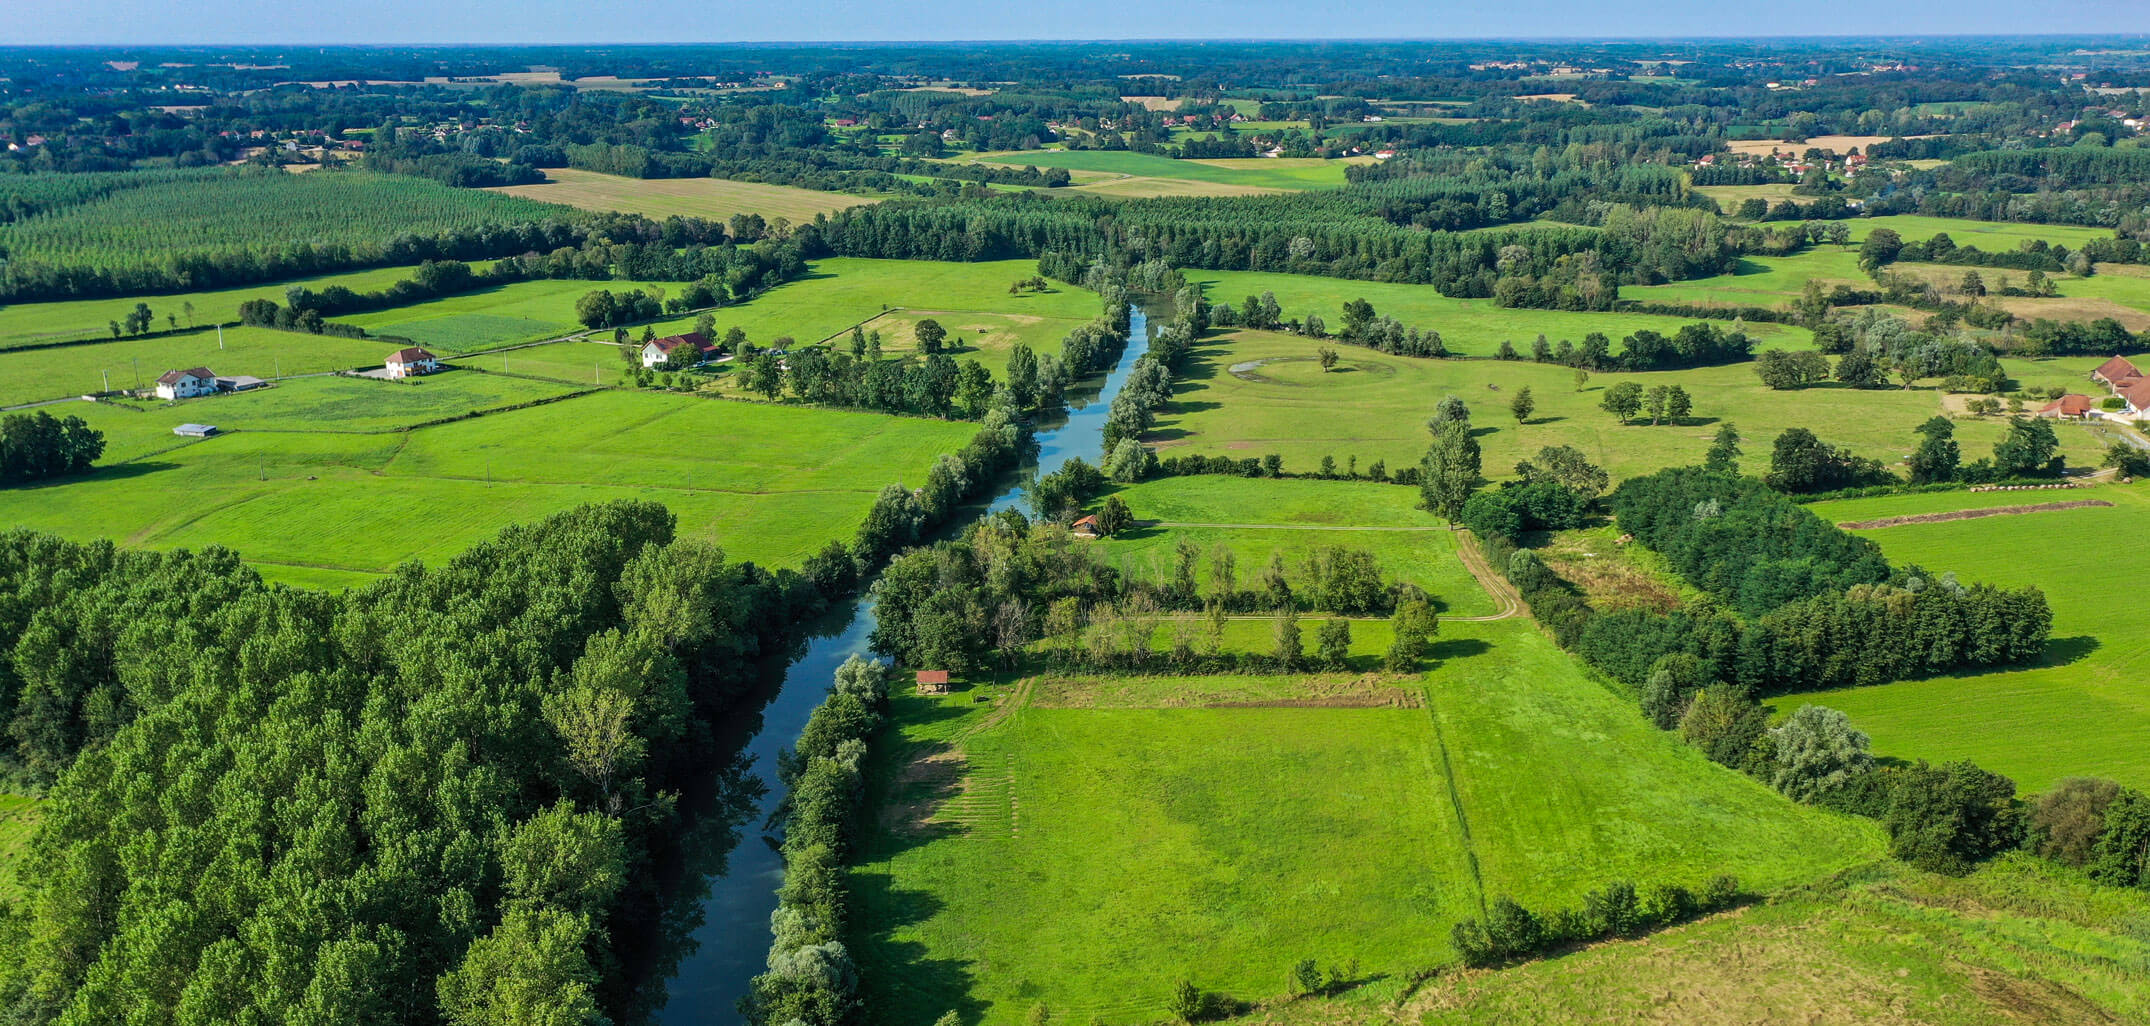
pixel 658 351
pixel 186 384
pixel 410 363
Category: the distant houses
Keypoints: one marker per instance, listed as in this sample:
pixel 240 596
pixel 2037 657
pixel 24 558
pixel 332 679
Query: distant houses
pixel 411 363
pixel 657 352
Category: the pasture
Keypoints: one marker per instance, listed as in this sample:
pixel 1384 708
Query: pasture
pixel 1231 176
pixel 350 497
pixel 1254 518
pixel 2083 712
pixel 1221 829
pixel 32 374
pixel 1474 327
pixel 78 319
pixel 1991 236
pixel 1248 393
pixel 716 199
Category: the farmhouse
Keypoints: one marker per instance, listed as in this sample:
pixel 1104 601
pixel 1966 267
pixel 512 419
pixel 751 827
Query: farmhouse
pixel 933 682
pixel 186 384
pixel 1086 528
pixel 2067 407
pixel 410 363
pixel 2127 383
pixel 2115 372
pixel 658 351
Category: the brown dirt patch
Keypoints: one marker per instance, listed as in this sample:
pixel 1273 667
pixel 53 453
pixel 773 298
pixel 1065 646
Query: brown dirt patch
pixel 2034 1001
pixel 927 783
pixel 1608 577
pixel 1969 514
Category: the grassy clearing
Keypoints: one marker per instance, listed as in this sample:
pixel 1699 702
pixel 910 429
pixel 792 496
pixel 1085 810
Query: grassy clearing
pixel 713 198
pixel 501 315
pixel 769 483
pixel 1475 327
pixel 1729 197
pixel 34 374
pixel 366 404
pixel 1375 406
pixel 18 820
pixel 1774 282
pixel 1222 844
pixel 1304 515
pixel 1990 236
pixel 1255 173
pixel 71 320
pixel 2084 713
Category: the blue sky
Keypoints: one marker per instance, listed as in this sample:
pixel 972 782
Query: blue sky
pixel 594 21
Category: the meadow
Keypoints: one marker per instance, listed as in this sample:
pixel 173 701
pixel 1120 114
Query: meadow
pixel 320 482
pixel 1232 175
pixel 1474 327
pixel 1248 393
pixel 52 373
pixel 79 319
pixel 714 198
pixel 1257 517
pixel 1223 842
pixel 2081 713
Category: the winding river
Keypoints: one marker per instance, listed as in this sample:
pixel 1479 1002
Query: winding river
pixel 731 944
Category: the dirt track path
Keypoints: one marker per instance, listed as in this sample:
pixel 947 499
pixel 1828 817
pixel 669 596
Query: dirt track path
pixel 1495 584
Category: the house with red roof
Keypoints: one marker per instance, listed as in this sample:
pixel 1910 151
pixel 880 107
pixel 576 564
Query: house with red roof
pixel 186 384
pixel 2068 407
pixel 658 351
pixel 411 363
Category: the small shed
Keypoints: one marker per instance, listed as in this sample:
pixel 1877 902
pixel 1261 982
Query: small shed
pixel 1086 527
pixel 194 430
pixel 933 682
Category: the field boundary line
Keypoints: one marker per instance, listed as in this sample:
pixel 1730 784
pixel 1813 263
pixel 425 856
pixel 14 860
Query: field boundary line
pixel 1455 798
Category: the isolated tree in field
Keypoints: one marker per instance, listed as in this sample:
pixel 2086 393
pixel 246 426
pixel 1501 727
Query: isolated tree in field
pixel 1327 358
pixel 1817 751
pixel 1284 634
pixel 1880 247
pixel 187 308
pixel 1521 405
pixel 1449 472
pixel 1623 400
pixel 1413 625
pixel 930 335
pixel 1972 285
pixel 1582 377
pixel 115 329
pixel 1937 456
pixel 1333 642
pixel 1723 456
pixel 1506 351
pixel 1678 404
pixel 2026 449
pixel 1449 409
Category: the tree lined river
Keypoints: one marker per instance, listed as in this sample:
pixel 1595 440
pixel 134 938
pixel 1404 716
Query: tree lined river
pixel 732 943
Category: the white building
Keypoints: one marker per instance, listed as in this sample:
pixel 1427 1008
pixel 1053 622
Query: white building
pixel 658 351
pixel 186 384
pixel 410 363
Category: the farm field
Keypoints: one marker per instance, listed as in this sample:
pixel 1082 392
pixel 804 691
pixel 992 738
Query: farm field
pixel 1474 327
pixel 33 374
pixel 713 198
pixel 1257 174
pixel 1729 197
pixel 1990 236
pixel 1774 282
pixel 76 319
pixel 1223 843
pixel 1257 517
pixel 2083 713
pixel 2015 942
pixel 520 311
pixel 339 504
pixel 1375 406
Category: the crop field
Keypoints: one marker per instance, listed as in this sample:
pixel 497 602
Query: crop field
pixel 1222 842
pixel 521 311
pixel 2015 942
pixel 1250 174
pixel 713 198
pixel 32 374
pixel 769 483
pixel 1249 393
pixel 149 225
pixel 1729 197
pixel 1257 517
pixel 2083 712
pixel 77 319
pixel 1474 327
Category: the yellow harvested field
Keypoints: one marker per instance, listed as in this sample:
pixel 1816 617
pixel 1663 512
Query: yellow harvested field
pixel 1839 143
pixel 1155 102
pixel 1277 163
pixel 715 198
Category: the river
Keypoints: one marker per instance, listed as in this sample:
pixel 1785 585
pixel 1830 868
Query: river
pixel 732 943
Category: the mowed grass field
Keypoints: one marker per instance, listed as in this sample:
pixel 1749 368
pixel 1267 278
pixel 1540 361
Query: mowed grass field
pixel 1255 518
pixel 32 374
pixel 2084 712
pixel 1474 327
pixel 73 320
pixel 1375 406
pixel 1148 174
pixel 1084 845
pixel 301 488
pixel 716 199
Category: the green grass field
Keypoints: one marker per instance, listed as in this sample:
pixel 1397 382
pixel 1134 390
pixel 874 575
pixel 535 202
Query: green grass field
pixel 714 198
pixel 33 374
pixel 1375 406
pixel 298 489
pixel 2085 713
pixel 18 820
pixel 1016 841
pixel 1474 327
pixel 1774 282
pixel 76 319
pixel 1241 174
pixel 1991 236
pixel 1257 517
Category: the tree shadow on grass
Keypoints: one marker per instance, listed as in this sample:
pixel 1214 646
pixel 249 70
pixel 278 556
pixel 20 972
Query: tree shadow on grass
pixel 1181 407
pixel 901 981
pixel 2069 650
pixel 1457 648
pixel 116 472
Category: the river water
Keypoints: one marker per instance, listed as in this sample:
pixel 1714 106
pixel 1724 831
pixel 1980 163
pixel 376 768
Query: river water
pixel 732 943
